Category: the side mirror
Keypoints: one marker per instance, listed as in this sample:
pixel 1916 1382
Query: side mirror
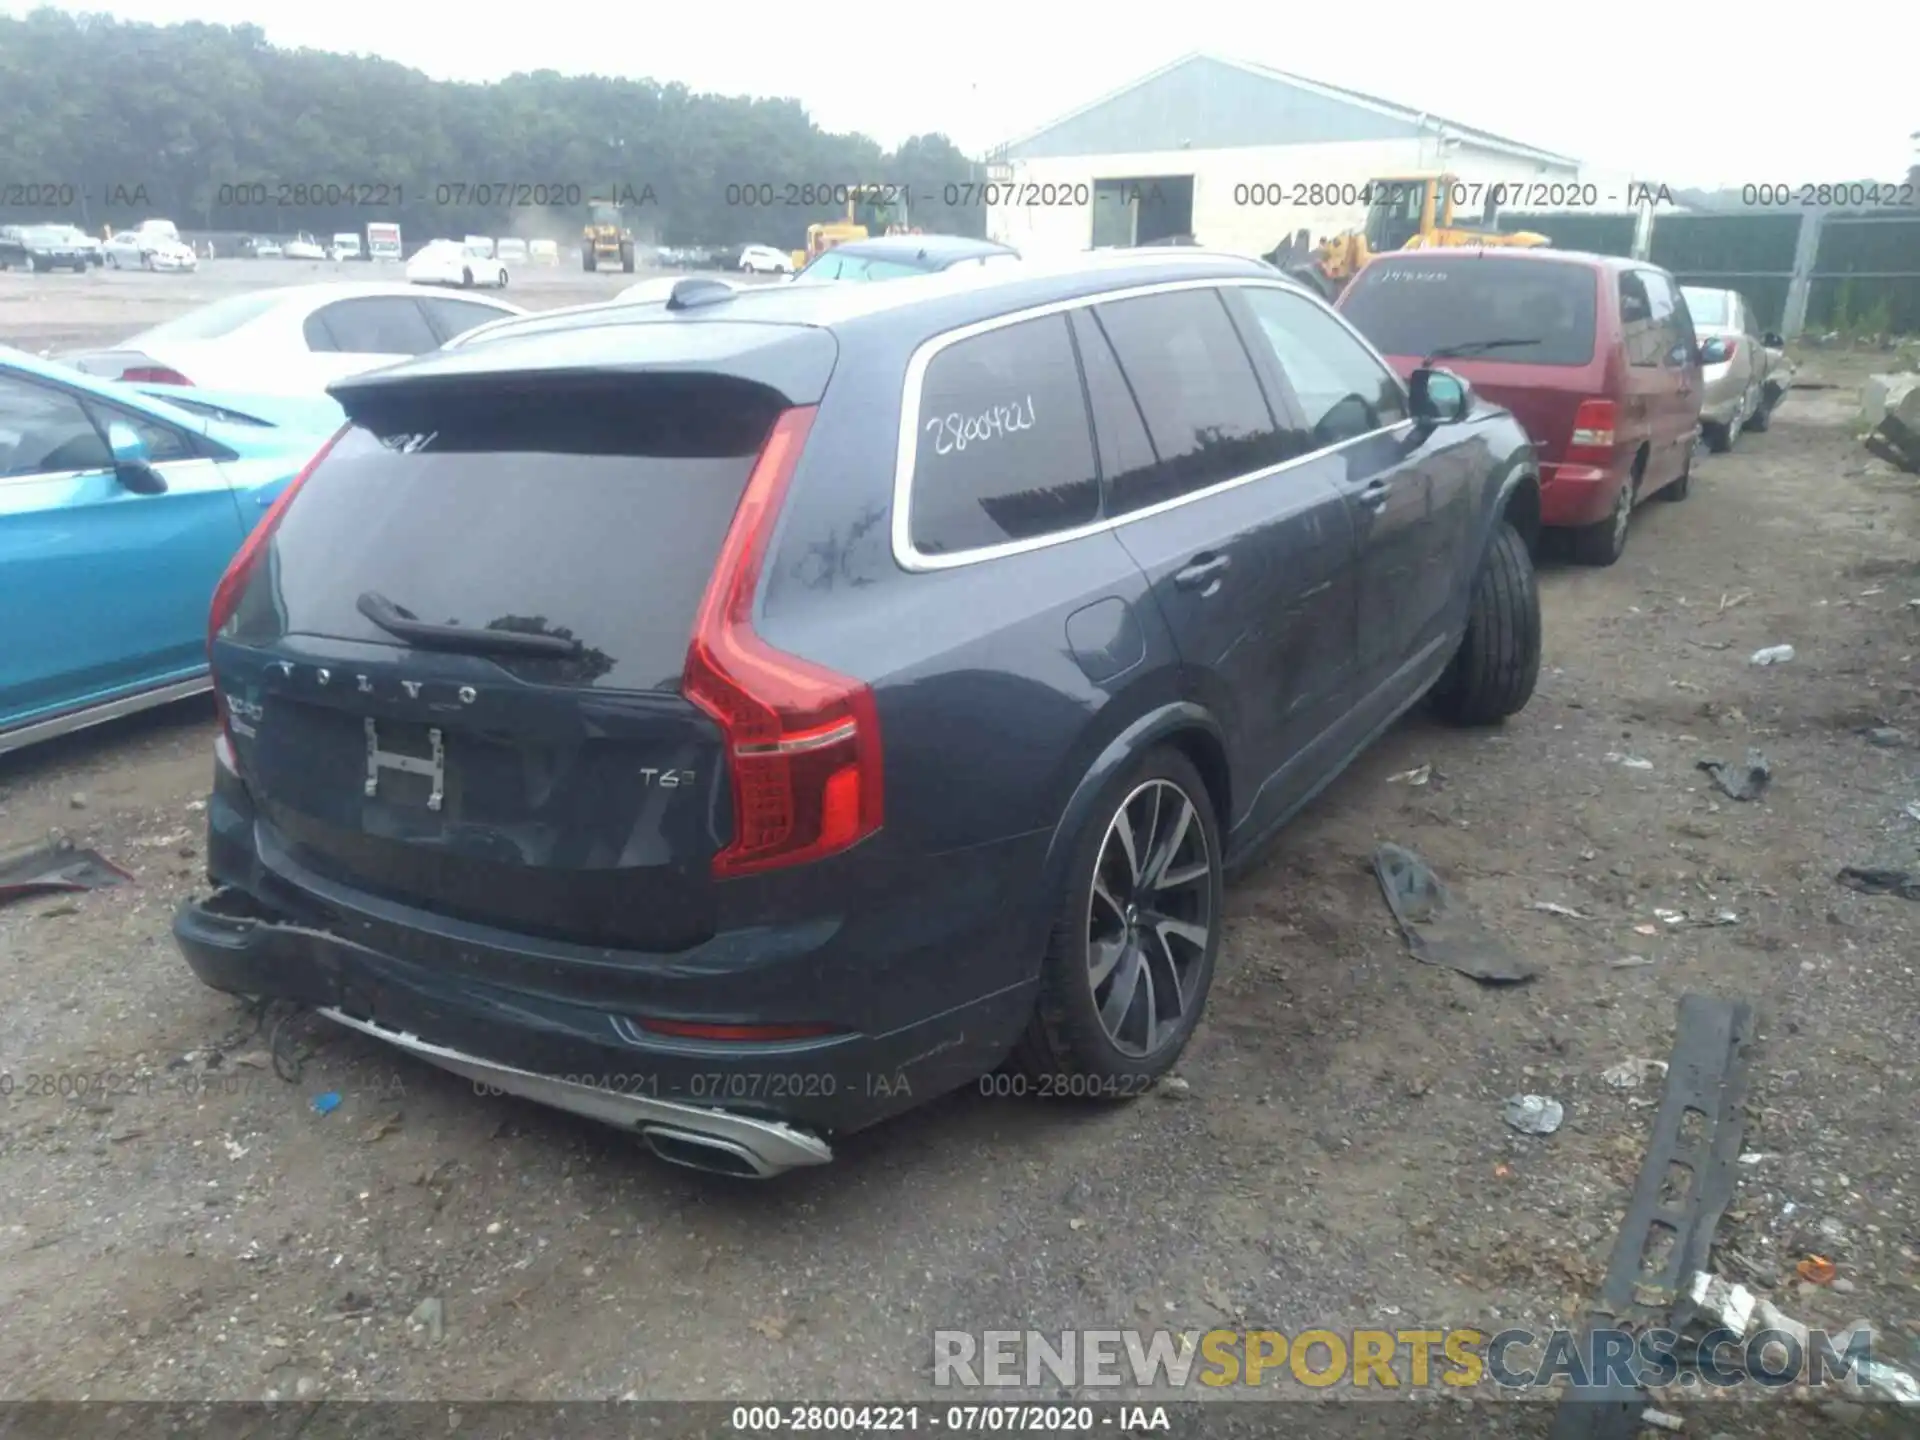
pixel 130 462
pixel 1772 340
pixel 1439 396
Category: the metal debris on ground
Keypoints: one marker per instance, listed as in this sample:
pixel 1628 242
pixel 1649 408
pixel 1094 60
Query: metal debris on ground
pixel 1549 907
pixel 1903 883
pixel 1419 775
pixel 1707 1074
pixel 1437 930
pixel 1629 962
pixel 1628 1074
pixel 1771 655
pixel 1534 1114
pixel 55 867
pixel 1632 762
pixel 1748 781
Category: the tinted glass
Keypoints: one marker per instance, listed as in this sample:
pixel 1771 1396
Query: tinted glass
pixel 1196 388
pixel 209 322
pixel 1342 391
pixel 1126 454
pixel 456 317
pixel 593 509
pixel 872 267
pixel 1413 307
pixel 1708 307
pixel 46 431
pixel 1002 448
pixel 1673 335
pixel 1637 328
pixel 374 325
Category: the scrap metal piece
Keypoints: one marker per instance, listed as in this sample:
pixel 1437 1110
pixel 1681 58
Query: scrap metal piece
pixel 1745 782
pixel 55 867
pixel 1438 931
pixel 1685 1182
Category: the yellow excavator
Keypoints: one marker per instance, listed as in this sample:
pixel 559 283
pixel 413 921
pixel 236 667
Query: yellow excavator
pixel 1404 212
pixel 607 240
pixel 871 210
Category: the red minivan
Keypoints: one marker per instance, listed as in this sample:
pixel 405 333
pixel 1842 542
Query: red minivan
pixel 1594 355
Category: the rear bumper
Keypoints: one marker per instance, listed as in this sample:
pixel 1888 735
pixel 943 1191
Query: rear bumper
pixel 1575 495
pixel 561 1024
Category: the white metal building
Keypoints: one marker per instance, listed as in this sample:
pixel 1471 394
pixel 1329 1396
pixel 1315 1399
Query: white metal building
pixel 1238 156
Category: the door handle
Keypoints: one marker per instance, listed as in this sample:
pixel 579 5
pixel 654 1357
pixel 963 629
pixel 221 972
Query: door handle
pixel 1374 494
pixel 1203 572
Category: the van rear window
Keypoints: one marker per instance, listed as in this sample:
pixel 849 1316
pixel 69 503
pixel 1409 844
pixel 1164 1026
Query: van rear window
pixel 1413 307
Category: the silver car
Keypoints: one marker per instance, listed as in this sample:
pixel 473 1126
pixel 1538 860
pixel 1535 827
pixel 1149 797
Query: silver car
pixel 1745 369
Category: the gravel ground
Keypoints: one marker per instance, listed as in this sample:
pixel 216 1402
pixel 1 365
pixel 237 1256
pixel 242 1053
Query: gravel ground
pixel 1336 1158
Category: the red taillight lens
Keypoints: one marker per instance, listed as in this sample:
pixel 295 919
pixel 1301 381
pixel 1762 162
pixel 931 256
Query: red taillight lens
pixel 1592 430
pixel 153 375
pixel 226 595
pixel 803 742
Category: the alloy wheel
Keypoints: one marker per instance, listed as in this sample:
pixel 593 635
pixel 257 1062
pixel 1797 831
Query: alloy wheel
pixel 1622 516
pixel 1149 917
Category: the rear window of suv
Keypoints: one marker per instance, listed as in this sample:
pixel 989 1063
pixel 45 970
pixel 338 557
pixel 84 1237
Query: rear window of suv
pixel 1415 307
pixel 587 509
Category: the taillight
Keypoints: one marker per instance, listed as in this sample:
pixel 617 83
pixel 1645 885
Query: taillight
pixel 1593 428
pixel 154 375
pixel 226 595
pixel 803 742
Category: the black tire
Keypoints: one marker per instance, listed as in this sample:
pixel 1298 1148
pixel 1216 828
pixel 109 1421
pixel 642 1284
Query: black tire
pixel 1492 674
pixel 33 264
pixel 1763 417
pixel 1719 438
pixel 1605 541
pixel 1067 1049
pixel 626 258
pixel 466 279
pixel 586 258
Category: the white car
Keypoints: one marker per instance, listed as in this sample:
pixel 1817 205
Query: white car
pixel 346 246
pixel 765 260
pixel 544 252
pixel 655 291
pixel 148 250
pixel 304 247
pixel 265 249
pixel 448 262
pixel 511 252
pixel 292 339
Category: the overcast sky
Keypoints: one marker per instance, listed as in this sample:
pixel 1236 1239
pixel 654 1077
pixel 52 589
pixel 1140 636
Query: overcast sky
pixel 1691 92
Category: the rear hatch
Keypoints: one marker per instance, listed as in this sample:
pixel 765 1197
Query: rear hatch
pixel 1419 305
pixel 533 764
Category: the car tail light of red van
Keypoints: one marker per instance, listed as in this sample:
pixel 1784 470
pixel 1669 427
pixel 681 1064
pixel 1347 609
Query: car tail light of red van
pixel 1592 439
pixel 803 741
pixel 154 375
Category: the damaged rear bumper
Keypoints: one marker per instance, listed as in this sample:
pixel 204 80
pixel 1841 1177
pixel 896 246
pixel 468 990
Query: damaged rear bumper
pixel 232 946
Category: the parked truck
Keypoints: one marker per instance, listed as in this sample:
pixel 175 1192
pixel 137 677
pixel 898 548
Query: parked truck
pixel 383 241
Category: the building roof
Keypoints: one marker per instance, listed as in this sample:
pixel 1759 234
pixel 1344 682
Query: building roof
pixel 1398 119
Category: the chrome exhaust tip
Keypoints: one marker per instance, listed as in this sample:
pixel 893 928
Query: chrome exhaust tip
pixel 708 1153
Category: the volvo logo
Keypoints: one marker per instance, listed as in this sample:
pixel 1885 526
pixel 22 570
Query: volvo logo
pixel 422 690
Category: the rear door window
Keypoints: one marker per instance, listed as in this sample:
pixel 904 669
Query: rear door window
pixel 1637 325
pixel 1414 307
pixel 455 317
pixel 1670 337
pixel 1002 448
pixel 1196 388
pixel 372 325
pixel 1126 454
pixel 45 431
pixel 1342 391
pixel 589 508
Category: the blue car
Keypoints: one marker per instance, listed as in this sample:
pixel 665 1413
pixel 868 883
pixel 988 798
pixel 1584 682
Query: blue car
pixel 120 507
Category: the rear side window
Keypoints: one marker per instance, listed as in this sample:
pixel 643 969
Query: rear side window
pixel 1205 414
pixel 372 325
pixel 1708 307
pixel 1413 308
pixel 1002 449
pixel 456 317
pixel 592 509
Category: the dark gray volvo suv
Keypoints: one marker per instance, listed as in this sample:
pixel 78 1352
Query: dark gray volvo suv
pixel 745 717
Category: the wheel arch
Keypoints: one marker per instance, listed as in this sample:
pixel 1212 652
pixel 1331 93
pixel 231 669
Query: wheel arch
pixel 1188 727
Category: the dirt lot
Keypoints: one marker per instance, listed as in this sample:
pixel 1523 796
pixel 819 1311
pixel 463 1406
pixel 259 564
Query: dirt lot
pixel 1339 1157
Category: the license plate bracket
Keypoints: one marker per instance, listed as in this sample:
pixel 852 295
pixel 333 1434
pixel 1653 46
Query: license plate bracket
pixel 433 766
